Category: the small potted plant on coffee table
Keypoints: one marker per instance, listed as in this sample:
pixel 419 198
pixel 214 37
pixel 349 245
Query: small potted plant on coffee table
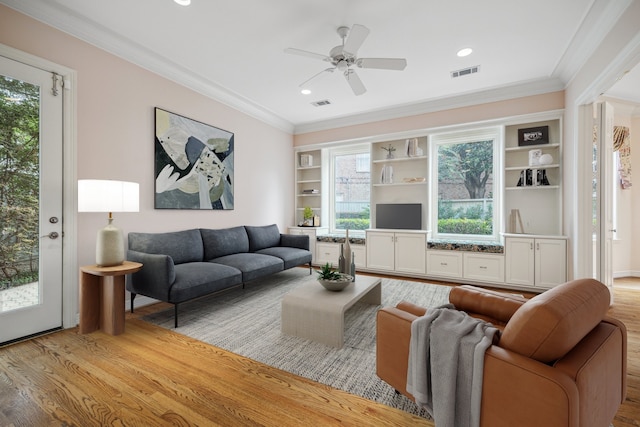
pixel 333 280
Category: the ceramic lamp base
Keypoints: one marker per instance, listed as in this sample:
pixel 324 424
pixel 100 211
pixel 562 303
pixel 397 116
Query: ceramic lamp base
pixel 109 246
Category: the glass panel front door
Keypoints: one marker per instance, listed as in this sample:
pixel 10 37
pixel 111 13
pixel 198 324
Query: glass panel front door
pixel 30 201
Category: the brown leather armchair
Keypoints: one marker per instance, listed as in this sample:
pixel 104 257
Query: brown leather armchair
pixel 560 360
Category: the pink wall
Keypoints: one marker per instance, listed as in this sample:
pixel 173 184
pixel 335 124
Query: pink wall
pixel 115 136
pixel 475 113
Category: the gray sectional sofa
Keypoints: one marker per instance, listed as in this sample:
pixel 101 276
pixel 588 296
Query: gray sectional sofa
pixel 182 265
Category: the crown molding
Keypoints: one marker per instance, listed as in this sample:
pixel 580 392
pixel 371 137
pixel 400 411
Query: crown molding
pixel 502 93
pixel 64 19
pixel 595 26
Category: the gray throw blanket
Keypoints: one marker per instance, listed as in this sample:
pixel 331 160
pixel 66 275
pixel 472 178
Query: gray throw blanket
pixel 446 364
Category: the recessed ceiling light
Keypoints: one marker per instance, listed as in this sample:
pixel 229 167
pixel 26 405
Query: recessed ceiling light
pixel 183 2
pixel 305 91
pixel 465 52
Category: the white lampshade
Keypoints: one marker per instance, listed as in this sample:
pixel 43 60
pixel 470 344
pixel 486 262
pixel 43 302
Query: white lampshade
pixel 96 195
pixel 108 196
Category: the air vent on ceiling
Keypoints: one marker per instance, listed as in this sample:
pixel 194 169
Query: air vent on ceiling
pixel 465 71
pixel 321 103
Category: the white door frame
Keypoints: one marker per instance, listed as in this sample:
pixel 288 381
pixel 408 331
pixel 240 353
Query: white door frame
pixel 69 187
pixel 626 59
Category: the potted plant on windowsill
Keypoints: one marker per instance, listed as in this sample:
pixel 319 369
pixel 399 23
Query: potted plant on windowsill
pixel 333 280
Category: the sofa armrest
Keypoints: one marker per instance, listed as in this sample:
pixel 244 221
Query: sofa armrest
pixel 412 308
pixel 300 241
pixel 540 395
pixel 154 278
pixel 393 335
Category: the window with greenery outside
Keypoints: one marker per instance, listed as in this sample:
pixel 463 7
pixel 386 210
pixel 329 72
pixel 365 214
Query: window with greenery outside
pixel 350 193
pixel 465 188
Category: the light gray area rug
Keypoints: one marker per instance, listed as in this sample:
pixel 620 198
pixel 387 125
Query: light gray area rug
pixel 247 322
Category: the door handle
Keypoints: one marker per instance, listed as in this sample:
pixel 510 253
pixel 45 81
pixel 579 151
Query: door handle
pixel 52 235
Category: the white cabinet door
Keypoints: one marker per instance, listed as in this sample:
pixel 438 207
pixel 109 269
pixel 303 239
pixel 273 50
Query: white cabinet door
pixel 380 250
pixel 520 260
pixel 540 262
pixel 484 267
pixel 551 265
pixel 360 252
pixel 444 263
pixel 410 252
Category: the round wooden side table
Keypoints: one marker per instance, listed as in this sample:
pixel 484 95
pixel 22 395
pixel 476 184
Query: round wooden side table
pixel 102 297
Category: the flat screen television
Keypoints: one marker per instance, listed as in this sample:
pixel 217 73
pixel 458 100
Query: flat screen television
pixel 403 216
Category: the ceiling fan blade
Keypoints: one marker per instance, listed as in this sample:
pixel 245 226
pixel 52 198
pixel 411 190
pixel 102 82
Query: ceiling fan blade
pixel 357 35
pixel 382 63
pixel 354 81
pixel 307 82
pixel 300 52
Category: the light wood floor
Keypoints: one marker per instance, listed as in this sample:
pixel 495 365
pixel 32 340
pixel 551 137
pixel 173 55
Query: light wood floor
pixel 150 376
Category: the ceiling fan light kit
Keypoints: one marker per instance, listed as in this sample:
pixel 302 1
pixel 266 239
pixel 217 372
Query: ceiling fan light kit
pixel 343 57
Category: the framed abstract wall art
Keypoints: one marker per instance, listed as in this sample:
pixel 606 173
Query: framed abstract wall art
pixel 193 164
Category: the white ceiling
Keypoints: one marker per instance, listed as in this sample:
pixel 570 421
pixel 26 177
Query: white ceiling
pixel 234 50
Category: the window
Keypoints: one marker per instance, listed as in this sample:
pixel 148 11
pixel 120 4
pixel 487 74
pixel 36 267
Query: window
pixel 464 204
pixel 350 177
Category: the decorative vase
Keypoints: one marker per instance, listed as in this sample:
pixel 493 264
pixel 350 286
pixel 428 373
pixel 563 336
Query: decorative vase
pixel 341 261
pixel 353 266
pixel 347 254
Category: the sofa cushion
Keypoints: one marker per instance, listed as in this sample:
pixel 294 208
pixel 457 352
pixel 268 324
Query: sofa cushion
pixel 195 279
pixel 181 246
pixel 547 326
pixel 223 242
pixel 263 237
pixel 291 256
pixel 252 265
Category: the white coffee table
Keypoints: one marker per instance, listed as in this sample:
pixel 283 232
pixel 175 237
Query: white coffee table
pixel 312 312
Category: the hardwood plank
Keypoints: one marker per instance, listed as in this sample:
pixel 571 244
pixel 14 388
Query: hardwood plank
pixel 151 376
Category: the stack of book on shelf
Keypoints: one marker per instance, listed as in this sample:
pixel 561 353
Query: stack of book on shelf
pixel 412 149
pixel 311 191
pixel 306 160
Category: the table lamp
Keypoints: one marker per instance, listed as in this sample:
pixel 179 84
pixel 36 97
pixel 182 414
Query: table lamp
pixel 108 196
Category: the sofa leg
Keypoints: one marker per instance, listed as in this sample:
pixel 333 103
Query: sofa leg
pixel 133 296
pixel 175 316
pixel 310 268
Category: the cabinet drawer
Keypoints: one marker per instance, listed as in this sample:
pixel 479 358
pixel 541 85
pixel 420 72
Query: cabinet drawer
pixel 484 267
pixel 444 263
pixel 327 253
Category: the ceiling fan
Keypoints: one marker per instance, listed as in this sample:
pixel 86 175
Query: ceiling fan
pixel 344 57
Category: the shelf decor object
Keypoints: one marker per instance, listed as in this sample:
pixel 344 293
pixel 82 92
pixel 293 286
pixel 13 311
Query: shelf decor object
pixel 108 196
pixel 306 160
pixel 390 149
pixel 387 175
pixel 533 136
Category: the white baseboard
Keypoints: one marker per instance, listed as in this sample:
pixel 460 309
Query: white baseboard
pixel 628 273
